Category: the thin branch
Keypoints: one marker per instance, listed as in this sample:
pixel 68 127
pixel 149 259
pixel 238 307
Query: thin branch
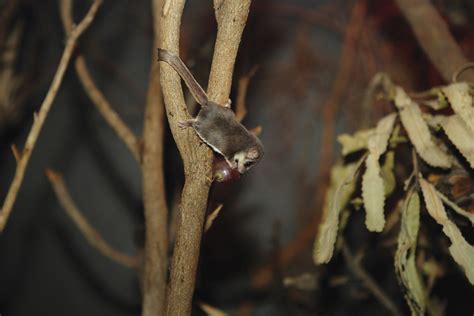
pixel 240 106
pixel 97 97
pixel 231 16
pixel 154 195
pixel 210 219
pixel 434 37
pixel 40 117
pixel 197 159
pixel 106 110
pixel 211 310
pixel 354 266
pixel 91 235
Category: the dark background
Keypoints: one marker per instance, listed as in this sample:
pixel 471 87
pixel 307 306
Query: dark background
pixel 46 266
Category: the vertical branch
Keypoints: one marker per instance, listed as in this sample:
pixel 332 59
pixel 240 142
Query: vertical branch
pixel 197 159
pixel 154 195
pixel 433 35
pixel 23 156
pixel 231 17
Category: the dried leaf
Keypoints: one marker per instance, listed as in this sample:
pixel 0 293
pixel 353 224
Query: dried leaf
pixel 461 102
pixel 456 208
pixel 461 251
pixel 434 205
pixel 434 121
pixel 441 101
pixel 373 194
pixel 341 188
pixel 418 132
pixel 387 173
pixel 373 191
pixel 353 143
pixel 461 136
pixel 405 266
pixel 378 141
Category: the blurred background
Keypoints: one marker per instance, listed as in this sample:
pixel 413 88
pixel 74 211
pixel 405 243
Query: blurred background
pixel 313 61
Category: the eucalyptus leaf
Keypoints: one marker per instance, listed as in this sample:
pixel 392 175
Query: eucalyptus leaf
pixel 341 188
pixel 354 143
pixel 461 251
pixel 461 102
pixel 373 189
pixel 405 258
pixel 418 131
pixel 387 173
pixel 461 136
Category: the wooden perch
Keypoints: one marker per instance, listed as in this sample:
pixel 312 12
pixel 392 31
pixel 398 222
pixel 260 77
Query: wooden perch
pixel 197 161
pixel 23 156
pixel 231 16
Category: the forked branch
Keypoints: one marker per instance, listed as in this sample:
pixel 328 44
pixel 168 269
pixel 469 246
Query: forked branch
pixel 231 17
pixel 97 97
pixel 23 156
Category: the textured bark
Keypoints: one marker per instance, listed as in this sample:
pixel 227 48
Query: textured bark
pixel 154 195
pixel 197 159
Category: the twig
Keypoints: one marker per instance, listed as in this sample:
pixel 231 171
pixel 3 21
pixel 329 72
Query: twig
pixel 106 110
pixel 378 81
pixel 354 266
pixel 91 235
pixel 211 310
pixel 94 93
pixel 39 118
pixel 154 195
pixel 231 16
pixel 434 38
pixel 240 107
pixel 210 219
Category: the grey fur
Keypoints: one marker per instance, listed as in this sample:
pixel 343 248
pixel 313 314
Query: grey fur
pixel 217 125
